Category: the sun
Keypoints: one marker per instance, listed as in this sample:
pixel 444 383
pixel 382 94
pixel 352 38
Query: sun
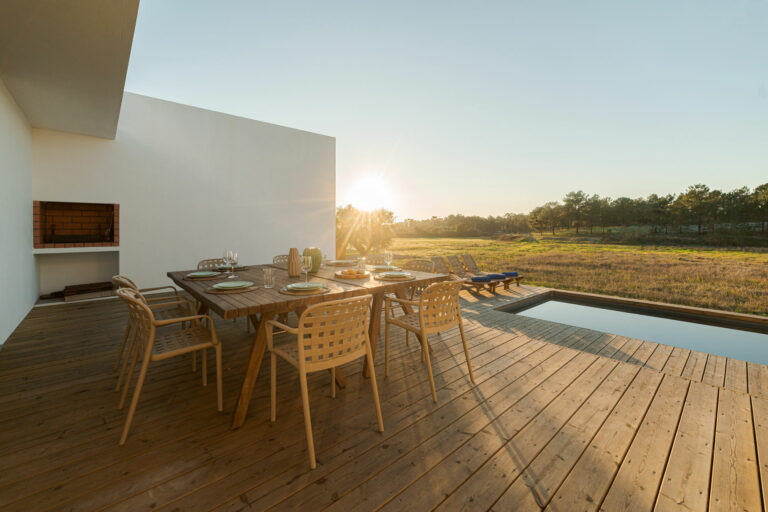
pixel 370 192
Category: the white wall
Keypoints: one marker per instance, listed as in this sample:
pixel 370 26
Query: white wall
pixel 192 182
pixel 17 266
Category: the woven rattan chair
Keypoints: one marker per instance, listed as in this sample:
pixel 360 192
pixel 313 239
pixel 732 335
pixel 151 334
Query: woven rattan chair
pixel 153 346
pixel 281 260
pixel 469 262
pixel 438 311
pixel 329 334
pixel 440 266
pixel 465 277
pixel 166 307
pixel 210 264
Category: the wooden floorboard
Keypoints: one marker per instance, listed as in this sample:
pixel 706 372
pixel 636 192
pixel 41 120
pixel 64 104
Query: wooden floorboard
pixel 560 418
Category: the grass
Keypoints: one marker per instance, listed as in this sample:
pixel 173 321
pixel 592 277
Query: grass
pixel 726 279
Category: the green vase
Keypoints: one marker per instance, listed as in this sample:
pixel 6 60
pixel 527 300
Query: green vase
pixel 317 257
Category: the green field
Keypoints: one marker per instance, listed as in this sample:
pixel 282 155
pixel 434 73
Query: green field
pixel 727 279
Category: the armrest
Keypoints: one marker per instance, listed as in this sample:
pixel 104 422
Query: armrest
pixel 171 303
pixel 282 326
pixel 402 301
pixel 157 288
pixel 159 323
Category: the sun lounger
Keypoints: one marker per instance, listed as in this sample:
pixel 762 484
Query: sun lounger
pixel 471 266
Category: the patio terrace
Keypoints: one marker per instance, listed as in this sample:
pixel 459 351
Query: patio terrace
pixel 562 418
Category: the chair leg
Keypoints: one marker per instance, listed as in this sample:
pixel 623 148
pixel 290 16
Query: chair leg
pixel 466 352
pixel 128 353
pixel 333 382
pixel 386 348
pixel 272 386
pixel 128 376
pixel 122 346
pixel 425 353
pixel 134 400
pixel 307 420
pixel 407 340
pixel 219 384
pixel 205 367
pixel 375 389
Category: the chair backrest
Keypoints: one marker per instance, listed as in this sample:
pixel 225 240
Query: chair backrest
pixel 210 264
pixel 333 333
pixel 119 281
pixel 141 317
pixel 439 307
pixel 469 262
pixel 457 267
pixel 441 267
pixel 375 259
pixel 281 260
pixel 420 266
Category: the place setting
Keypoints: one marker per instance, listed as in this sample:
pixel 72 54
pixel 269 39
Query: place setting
pixel 227 287
pixel 307 287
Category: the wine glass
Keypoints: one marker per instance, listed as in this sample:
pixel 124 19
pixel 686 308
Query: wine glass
pixel 225 258
pixel 232 263
pixel 388 258
pixel 306 266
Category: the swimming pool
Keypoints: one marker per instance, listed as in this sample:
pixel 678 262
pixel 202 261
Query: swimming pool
pixel 723 341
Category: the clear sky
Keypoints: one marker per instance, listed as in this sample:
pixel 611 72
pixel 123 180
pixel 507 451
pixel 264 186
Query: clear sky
pixel 482 107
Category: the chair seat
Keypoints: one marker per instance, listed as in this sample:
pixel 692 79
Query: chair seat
pixel 181 341
pixel 410 321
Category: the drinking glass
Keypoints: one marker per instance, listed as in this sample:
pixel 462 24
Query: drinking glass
pixel 361 261
pixel 225 258
pixel 269 278
pixel 388 257
pixel 232 263
pixel 306 266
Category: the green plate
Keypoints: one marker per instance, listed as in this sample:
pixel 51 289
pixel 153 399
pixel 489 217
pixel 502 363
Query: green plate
pixel 203 273
pixel 395 274
pixel 381 268
pixel 304 286
pixel 343 262
pixel 232 285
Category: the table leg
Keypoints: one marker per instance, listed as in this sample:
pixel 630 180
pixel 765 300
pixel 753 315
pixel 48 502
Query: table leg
pixel 254 363
pixel 373 329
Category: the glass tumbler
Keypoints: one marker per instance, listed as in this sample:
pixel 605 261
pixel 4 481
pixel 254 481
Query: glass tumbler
pixel 269 278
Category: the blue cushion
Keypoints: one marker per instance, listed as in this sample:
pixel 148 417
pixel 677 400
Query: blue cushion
pixel 496 276
pixel 481 279
pixel 511 274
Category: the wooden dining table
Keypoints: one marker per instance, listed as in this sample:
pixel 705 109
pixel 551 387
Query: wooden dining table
pixel 261 304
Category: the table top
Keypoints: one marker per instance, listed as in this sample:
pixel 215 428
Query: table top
pixel 262 299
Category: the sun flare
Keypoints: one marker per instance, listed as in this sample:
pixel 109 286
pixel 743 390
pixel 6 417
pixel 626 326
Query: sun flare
pixel 370 192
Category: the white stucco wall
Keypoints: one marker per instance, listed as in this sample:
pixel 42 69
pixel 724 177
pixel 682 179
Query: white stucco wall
pixel 17 267
pixel 192 182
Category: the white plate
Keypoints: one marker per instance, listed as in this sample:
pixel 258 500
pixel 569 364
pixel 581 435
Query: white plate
pixel 304 286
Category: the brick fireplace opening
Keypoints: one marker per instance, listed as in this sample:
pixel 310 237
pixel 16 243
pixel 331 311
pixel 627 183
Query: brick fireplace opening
pixel 60 225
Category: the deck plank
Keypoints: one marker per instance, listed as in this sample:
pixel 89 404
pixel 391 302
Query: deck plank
pixel 637 482
pixel 590 478
pixel 714 372
pixel 536 485
pixel 736 375
pixel 685 485
pixel 760 418
pixel 735 477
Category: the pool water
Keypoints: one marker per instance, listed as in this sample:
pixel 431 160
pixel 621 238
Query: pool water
pixel 734 343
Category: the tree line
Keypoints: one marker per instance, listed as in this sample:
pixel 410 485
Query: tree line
pixel 698 210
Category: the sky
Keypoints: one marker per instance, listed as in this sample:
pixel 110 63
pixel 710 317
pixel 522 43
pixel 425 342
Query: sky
pixel 481 108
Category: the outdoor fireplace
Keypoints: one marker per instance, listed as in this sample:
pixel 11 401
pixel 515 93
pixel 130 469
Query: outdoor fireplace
pixel 62 225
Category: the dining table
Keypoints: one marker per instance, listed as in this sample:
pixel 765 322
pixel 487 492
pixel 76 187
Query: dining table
pixel 260 305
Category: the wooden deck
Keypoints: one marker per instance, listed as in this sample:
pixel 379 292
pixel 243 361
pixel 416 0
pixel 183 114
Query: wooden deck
pixel 561 419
